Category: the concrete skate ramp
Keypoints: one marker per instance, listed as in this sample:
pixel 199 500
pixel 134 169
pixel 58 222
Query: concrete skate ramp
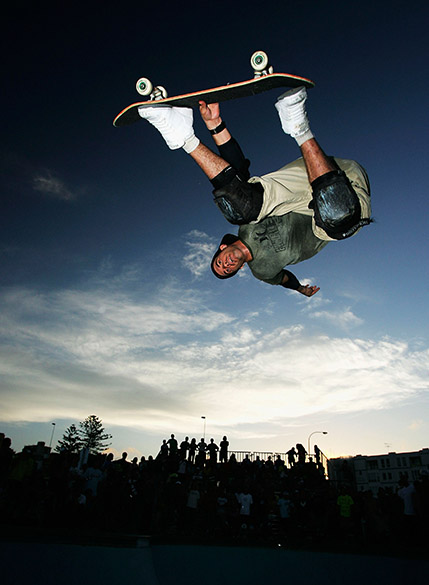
pixel 71 564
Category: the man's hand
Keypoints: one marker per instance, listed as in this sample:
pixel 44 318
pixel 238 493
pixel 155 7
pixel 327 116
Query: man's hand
pixel 210 113
pixel 308 290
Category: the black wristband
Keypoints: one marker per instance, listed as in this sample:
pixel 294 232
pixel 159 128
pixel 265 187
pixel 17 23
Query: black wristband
pixel 292 281
pixel 218 129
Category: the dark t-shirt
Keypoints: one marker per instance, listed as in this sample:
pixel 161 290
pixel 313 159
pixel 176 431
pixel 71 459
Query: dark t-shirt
pixel 279 241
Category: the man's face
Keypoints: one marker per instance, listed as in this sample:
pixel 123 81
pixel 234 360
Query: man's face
pixel 230 259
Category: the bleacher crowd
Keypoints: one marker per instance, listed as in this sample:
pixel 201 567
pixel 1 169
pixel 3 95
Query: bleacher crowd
pixel 206 494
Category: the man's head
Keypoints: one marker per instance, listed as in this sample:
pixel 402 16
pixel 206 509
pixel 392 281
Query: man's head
pixel 228 259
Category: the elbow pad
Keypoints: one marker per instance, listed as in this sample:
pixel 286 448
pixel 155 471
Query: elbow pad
pixel 239 201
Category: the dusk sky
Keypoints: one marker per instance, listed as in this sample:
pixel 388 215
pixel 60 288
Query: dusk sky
pixel 108 305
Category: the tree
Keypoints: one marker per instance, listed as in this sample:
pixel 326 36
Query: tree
pixel 92 435
pixel 71 442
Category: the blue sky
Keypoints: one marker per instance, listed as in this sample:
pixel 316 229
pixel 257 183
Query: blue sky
pixel 107 303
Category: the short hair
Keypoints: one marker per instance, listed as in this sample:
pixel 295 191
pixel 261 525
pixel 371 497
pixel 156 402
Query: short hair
pixel 227 239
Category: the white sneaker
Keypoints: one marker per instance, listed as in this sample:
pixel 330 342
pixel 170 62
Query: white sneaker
pixel 174 124
pixel 293 116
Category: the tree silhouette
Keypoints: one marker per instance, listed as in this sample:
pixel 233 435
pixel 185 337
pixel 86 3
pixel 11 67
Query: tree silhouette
pixel 92 435
pixel 71 442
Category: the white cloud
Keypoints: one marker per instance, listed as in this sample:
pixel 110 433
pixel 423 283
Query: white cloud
pixel 166 359
pixel 200 249
pixel 46 183
pixel 416 425
pixel 343 318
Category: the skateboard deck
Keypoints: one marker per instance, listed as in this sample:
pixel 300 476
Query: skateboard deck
pixel 222 93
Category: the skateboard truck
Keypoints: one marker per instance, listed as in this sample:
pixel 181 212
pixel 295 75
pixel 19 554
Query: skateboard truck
pixel 258 61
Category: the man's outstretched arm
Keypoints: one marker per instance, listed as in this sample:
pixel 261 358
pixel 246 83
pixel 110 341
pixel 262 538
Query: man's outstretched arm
pixel 289 280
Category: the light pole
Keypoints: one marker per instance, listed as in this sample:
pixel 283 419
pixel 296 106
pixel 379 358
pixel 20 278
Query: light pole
pixel 204 434
pixel 52 434
pixel 311 434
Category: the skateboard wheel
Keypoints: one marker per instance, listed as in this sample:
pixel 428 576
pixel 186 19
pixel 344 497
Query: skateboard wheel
pixel 259 61
pixel 144 86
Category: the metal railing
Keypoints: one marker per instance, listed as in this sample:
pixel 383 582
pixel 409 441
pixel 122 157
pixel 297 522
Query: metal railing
pixel 264 455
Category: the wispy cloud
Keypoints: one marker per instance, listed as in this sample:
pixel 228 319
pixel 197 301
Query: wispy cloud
pixel 18 173
pixel 199 251
pixel 48 184
pixel 343 318
pixel 415 425
pixel 165 358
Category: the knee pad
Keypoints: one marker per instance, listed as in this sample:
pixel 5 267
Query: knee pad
pixel 336 206
pixel 239 201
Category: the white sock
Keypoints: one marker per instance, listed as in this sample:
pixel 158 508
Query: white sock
pixel 191 144
pixel 304 137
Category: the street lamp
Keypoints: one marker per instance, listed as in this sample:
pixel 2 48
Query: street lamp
pixel 52 434
pixel 204 434
pixel 311 434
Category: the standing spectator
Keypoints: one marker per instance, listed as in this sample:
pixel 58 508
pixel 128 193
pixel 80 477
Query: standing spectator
pixel 279 464
pixel 223 454
pixel 258 464
pixel 182 469
pixel 291 454
pixel 184 448
pixel 301 453
pixel 345 503
pixel 269 463
pixel 222 510
pixel 407 493
pixel 246 463
pixel 107 463
pixel 192 506
pixel 172 446
pixel 202 448
pixel 163 451
pixel 92 476
pixel 122 463
pixel 285 506
pixel 212 448
pixel 245 501
pixel 317 454
pixel 192 450
pixel 142 463
pixel 6 456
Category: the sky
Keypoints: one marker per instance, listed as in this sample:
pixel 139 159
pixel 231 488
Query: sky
pixel 107 302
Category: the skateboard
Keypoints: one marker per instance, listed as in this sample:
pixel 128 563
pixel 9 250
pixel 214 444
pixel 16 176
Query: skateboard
pixel 264 79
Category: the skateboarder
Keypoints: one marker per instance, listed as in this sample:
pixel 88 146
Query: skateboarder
pixel 285 217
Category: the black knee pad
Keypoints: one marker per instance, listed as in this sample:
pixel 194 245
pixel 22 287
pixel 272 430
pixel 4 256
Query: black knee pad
pixel 336 206
pixel 239 201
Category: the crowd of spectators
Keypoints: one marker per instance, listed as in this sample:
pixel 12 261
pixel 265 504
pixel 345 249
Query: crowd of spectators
pixel 188 494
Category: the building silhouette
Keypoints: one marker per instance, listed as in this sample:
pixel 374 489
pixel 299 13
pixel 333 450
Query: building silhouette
pixel 372 472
